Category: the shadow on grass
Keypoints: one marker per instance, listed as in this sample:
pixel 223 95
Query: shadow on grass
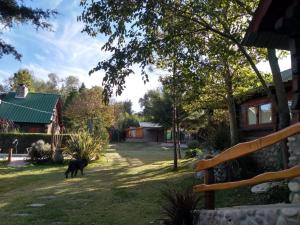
pixel 113 193
pixel 104 196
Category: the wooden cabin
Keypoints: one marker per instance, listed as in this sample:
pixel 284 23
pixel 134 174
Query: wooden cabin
pixel 146 132
pixel 32 112
pixel 256 116
pixel 276 25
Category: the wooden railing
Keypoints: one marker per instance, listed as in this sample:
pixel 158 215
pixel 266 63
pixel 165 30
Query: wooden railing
pixel 241 150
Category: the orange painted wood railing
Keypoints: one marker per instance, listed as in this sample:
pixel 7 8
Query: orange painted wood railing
pixel 270 176
pixel 246 148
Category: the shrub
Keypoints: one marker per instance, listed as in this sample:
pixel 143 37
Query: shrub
pixel 192 153
pixel 193 144
pixel 85 146
pixel 221 137
pixel 40 151
pixel 178 206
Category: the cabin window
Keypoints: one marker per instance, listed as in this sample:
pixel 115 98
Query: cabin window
pixel 265 113
pixel 290 108
pixel 133 133
pixel 259 114
pixel 252 119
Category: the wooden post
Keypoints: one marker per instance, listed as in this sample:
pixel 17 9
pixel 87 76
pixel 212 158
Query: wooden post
pixel 209 196
pixel 295 56
pixel 10 152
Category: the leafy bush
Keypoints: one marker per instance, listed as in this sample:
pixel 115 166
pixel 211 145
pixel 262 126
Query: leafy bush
pixel 40 151
pixel 193 144
pixel 192 153
pixel 178 206
pixel 221 138
pixel 85 146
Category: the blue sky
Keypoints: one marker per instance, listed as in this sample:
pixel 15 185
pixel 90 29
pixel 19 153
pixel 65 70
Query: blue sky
pixel 66 51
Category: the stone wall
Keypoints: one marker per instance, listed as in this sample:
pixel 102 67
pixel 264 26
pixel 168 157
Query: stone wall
pixel 279 214
pixel 294 159
pixel 268 159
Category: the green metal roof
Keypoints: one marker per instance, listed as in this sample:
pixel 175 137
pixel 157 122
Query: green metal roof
pixel 35 108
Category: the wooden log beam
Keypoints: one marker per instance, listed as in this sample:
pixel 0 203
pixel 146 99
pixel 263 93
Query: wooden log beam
pixel 270 176
pixel 246 148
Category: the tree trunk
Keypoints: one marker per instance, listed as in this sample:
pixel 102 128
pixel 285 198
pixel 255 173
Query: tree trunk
pixel 282 103
pixel 178 138
pixel 234 137
pixel 174 119
pixel 174 137
pixel 281 96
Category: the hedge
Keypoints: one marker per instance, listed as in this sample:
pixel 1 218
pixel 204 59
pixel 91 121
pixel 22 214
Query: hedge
pixel 24 140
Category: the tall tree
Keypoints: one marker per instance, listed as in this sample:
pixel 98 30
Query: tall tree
pixel 157 107
pixel 49 86
pixel 23 76
pixel 71 83
pixel 150 29
pixel 144 32
pixel 87 110
pixel 127 105
pixel 14 12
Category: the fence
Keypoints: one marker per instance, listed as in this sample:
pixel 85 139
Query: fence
pixel 237 151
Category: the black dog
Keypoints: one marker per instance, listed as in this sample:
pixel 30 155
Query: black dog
pixel 75 165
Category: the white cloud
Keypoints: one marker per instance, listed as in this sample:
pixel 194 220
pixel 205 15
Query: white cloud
pixel 4 75
pixel 136 88
pixel 67 51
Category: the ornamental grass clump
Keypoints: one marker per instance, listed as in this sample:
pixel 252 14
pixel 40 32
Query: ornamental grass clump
pixel 40 151
pixel 178 206
pixel 85 146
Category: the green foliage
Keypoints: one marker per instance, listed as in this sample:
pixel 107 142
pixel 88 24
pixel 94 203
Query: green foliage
pixel 126 120
pixel 178 206
pixel 193 144
pixel 127 107
pixel 117 135
pixel 221 137
pixel 49 86
pixel 23 76
pixel 15 12
pixel 157 107
pixel 86 110
pixel 153 38
pixel 86 146
pixel 192 153
pixel 40 151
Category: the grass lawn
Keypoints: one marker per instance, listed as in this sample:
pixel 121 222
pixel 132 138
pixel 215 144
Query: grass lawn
pixel 121 188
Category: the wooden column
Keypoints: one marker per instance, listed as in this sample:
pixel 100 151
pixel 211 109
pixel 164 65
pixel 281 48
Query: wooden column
pixel 295 57
pixel 209 196
pixel 288 25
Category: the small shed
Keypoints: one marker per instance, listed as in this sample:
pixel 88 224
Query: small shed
pixel 146 132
